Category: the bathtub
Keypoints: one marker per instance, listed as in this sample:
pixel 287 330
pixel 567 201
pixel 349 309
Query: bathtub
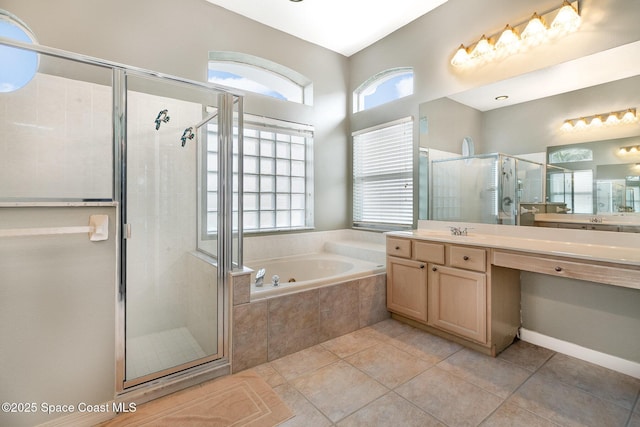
pixel 302 272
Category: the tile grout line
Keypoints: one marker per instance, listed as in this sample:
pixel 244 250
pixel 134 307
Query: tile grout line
pixel 504 401
pixel 636 403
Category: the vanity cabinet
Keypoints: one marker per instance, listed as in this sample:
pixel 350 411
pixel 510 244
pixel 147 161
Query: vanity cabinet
pixel 407 288
pixel 453 291
pixel 578 226
pixel 457 293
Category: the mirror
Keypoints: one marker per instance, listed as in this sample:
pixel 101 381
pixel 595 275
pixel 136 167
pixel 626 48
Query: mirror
pixel 529 127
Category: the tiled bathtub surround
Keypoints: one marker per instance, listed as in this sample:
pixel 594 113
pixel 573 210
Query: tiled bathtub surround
pixel 271 328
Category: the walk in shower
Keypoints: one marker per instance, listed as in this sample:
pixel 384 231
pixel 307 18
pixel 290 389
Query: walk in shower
pixel 88 135
pixel 484 188
pixel 174 299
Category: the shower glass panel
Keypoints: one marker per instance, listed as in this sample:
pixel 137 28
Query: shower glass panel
pixel 484 188
pixel 174 300
pixel 56 138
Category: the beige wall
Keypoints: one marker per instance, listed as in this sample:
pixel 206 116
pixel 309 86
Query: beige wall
pixel 57 312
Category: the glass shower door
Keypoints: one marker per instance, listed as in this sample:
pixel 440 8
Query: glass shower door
pixel 173 298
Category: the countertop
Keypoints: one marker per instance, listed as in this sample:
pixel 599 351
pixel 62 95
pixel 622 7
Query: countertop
pixel 609 219
pixel 604 248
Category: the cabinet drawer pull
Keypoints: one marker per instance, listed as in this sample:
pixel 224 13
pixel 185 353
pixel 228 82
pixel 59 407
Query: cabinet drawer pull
pixel 466 258
pixel 421 265
pixel 434 269
pixel 397 248
pixel 558 269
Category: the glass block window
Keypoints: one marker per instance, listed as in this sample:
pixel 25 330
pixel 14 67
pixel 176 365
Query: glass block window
pixel 277 178
pixel 383 176
pixel 384 87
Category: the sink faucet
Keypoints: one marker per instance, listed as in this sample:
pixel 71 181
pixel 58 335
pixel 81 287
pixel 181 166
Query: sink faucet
pixel 458 231
pixel 260 277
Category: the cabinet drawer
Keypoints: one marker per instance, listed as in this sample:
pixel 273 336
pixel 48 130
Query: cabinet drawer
pixel 399 247
pixel 612 275
pixel 468 258
pixel 429 252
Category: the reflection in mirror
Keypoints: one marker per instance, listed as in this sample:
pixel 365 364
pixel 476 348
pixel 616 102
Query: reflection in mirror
pixel 618 188
pixel 599 177
pixel 573 184
pixel 484 188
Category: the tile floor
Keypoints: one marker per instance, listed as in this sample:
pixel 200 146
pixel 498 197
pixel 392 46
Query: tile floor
pixel 391 374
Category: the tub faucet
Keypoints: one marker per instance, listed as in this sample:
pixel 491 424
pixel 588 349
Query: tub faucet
pixel 275 280
pixel 260 277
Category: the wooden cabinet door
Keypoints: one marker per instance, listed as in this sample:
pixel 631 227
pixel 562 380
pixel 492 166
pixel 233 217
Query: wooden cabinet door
pixel 407 288
pixel 458 301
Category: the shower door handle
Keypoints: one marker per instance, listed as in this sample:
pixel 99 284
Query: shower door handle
pixel 127 231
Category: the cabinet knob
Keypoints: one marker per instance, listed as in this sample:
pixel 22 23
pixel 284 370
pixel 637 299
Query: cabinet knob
pixel 421 265
pixel 466 258
pixel 434 269
pixel 558 269
pixel 397 248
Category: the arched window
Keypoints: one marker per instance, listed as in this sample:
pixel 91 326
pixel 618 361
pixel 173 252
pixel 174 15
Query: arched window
pixel 277 154
pixel 384 87
pixel 569 155
pixel 259 75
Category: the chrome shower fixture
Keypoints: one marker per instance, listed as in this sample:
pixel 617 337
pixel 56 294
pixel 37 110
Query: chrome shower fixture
pixel 187 134
pixel 162 117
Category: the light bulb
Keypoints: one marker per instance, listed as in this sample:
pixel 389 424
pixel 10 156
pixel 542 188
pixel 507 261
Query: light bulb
pixel 629 116
pixel 612 119
pixel 484 49
pixel 461 58
pixel 596 122
pixel 566 21
pixel 623 151
pixel 567 126
pixel 580 124
pixel 633 150
pixel 535 32
pixel 508 43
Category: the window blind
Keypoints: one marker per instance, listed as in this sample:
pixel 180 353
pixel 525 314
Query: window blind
pixel 383 175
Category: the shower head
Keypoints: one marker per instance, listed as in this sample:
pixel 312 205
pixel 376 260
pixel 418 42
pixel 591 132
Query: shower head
pixel 162 117
pixel 187 134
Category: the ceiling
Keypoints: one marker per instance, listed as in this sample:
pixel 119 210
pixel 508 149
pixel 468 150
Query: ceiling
pixel 310 19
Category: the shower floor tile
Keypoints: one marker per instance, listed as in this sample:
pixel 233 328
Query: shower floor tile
pixel 160 350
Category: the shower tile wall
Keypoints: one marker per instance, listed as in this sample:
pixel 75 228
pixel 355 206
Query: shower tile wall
pixel 55 140
pixel 161 210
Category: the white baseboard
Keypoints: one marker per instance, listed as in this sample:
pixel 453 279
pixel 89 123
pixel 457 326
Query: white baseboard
pixel 614 363
pixel 81 419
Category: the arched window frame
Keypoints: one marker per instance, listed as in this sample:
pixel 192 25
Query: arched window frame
pixel 371 85
pixel 267 77
pixel 570 155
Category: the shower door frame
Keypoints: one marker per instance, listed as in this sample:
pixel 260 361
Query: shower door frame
pixel 217 364
pixel 225 240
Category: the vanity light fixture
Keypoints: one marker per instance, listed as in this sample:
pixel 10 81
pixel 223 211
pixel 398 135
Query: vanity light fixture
pixel 626 116
pixel 631 149
pixel 564 20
